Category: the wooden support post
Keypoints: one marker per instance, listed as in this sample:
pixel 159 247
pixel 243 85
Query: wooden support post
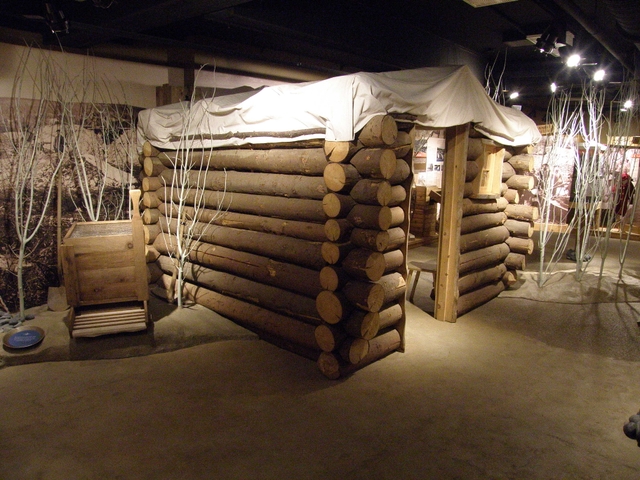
pixel 450 220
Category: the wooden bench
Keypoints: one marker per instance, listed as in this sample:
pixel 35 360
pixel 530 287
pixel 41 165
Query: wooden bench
pixel 417 268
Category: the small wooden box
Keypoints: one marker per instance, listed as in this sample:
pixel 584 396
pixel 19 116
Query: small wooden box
pixel 487 183
pixel 104 265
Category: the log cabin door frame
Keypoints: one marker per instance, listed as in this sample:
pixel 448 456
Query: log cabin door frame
pixel 453 179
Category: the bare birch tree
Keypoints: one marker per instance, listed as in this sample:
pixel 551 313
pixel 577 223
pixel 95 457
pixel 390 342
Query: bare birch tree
pixel 559 147
pixel 591 173
pixel 187 192
pixel 495 86
pixel 33 171
pixel 620 129
pixel 98 135
pixel 578 129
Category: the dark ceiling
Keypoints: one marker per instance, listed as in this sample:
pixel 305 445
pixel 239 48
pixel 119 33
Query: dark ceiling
pixel 319 38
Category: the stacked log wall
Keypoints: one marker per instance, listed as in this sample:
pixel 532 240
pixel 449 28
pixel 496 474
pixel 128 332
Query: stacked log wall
pixel 257 253
pixel 295 226
pixel 150 181
pixel 364 281
pixel 517 175
pixel 495 234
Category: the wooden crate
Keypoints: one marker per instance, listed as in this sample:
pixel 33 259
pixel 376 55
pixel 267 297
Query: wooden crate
pixel 104 264
pixel 488 182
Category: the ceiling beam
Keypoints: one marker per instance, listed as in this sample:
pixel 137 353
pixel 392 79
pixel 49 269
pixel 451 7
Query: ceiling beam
pixel 157 16
pixel 167 12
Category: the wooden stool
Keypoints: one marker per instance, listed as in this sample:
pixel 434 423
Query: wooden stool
pixel 418 268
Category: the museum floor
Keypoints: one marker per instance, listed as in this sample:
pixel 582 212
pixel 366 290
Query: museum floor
pixel 536 384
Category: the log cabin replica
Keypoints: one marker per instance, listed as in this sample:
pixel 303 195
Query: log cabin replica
pixel 305 194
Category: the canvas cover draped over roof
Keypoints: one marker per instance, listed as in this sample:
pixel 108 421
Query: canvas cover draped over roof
pixel 335 109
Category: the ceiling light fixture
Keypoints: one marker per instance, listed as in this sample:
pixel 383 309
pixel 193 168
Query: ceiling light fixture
pixel 598 76
pixel 550 42
pixel 553 87
pixel 546 43
pixel 628 104
pixel 55 19
pixel 573 60
pixel 514 95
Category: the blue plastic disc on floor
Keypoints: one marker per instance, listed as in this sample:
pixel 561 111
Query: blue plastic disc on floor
pixel 23 337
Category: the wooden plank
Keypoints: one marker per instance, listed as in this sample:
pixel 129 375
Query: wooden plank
pixel 97 314
pixel 121 294
pixel 113 308
pixel 98 229
pixel 107 285
pixel 79 324
pixel 105 259
pixel 450 221
pixel 98 244
pixel 111 318
pixel 98 276
pixel 405 179
pixel 69 268
pixel 105 330
pixel 487 183
pixel 106 316
pixel 139 257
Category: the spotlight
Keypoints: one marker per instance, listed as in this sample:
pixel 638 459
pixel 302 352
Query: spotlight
pixel 546 43
pixel 553 87
pixel 628 104
pixel 55 19
pixel 514 95
pixel 573 60
pixel 599 75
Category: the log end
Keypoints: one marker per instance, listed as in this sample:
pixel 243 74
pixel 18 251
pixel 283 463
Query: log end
pixel 329 365
pixel 330 307
pixel 331 205
pixel 330 252
pixel 336 151
pixel 510 278
pixel 329 278
pixel 149 150
pixel 326 338
pixel 358 349
pixel 381 130
pixel 388 163
pixel 370 325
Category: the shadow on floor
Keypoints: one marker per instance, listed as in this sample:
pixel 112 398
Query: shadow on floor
pixel 594 315
pixel 170 328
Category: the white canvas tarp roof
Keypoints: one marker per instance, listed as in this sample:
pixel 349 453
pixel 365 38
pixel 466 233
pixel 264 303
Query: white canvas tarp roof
pixel 335 109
